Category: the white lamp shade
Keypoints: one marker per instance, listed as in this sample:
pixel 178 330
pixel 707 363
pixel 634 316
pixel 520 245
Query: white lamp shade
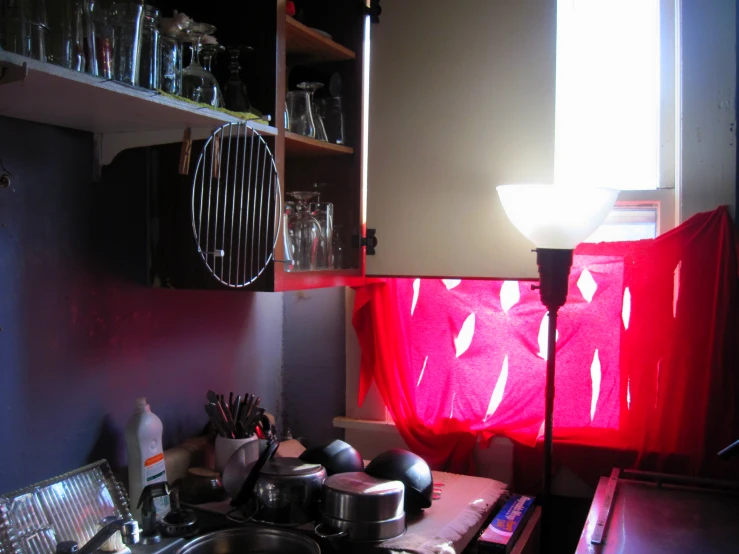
pixel 556 216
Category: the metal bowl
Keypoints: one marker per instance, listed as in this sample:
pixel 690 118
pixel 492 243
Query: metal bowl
pixel 247 539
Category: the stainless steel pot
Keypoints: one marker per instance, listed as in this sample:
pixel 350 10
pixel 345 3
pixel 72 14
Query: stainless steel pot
pixel 252 539
pixel 361 508
pixel 357 496
pixel 360 531
pixel 288 491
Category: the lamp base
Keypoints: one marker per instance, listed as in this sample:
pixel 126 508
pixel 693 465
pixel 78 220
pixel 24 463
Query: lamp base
pixel 554 271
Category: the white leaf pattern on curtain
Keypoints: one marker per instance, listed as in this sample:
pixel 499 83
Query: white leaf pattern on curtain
pixel 497 396
pixel 510 295
pixel 595 377
pixel 464 338
pixel 544 336
pixel 416 290
pixel 626 309
pixel 423 369
pixel 587 285
pixel 451 283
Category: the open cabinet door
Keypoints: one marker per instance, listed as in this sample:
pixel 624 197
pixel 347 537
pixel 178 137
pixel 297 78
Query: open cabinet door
pixel 461 100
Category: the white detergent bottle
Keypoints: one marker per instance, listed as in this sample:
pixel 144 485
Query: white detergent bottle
pixel 145 457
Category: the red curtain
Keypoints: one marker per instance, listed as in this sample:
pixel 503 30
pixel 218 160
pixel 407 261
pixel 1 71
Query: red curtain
pixel 646 352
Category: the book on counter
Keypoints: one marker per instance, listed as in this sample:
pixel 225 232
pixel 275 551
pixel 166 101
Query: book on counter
pixel 501 534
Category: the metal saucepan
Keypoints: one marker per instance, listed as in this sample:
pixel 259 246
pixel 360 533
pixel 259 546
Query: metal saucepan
pixel 361 508
pixel 246 540
pixel 281 491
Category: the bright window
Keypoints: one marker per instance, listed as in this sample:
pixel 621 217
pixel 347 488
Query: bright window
pixel 608 93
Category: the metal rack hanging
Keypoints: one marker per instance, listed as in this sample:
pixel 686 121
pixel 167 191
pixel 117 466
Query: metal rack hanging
pixel 236 205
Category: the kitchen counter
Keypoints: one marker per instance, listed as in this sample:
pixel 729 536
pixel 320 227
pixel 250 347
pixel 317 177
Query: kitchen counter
pixel 449 525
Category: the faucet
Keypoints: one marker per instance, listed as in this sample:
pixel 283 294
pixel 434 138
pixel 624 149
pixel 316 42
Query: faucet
pixel 150 532
pixel 129 529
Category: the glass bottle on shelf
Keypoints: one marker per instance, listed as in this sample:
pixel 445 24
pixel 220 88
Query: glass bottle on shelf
pixel 234 92
pixel 149 70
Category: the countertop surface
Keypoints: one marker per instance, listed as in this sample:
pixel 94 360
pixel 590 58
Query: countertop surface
pixel 447 526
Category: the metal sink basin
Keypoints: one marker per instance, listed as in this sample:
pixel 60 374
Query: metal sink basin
pixel 167 546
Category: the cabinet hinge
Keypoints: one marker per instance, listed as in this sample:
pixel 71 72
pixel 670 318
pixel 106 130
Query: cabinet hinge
pixel 369 242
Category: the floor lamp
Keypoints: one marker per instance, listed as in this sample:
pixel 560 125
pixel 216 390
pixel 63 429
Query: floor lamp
pixel 556 219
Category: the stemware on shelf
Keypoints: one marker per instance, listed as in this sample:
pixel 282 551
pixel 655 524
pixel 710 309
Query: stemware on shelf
pixel 198 84
pixel 127 18
pixel 149 70
pixel 209 51
pixel 234 92
pixel 303 232
pixel 331 111
pixel 324 214
pixel 311 88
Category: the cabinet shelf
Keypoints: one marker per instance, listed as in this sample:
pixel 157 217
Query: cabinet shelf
pixel 45 93
pixel 304 41
pixel 299 146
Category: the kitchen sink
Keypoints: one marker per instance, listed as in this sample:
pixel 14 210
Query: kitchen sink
pixel 167 546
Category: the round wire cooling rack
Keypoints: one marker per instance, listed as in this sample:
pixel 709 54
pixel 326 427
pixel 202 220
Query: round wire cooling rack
pixel 236 205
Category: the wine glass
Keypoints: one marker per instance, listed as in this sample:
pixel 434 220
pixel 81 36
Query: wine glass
pixel 311 88
pixel 303 231
pixel 198 84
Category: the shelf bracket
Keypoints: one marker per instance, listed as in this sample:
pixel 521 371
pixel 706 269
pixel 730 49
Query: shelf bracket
pixel 369 242
pixel 12 73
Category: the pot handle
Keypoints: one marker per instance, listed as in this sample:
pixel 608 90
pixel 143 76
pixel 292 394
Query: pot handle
pixel 337 535
pixel 251 480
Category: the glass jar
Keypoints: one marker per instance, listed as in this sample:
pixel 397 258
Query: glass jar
pixel 149 69
pixel 128 19
pixel 171 64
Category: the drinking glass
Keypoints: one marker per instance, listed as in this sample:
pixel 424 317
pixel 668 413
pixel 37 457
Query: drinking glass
pixel 128 18
pixel 104 41
pixel 303 232
pixel 171 66
pixel 300 113
pixel 331 111
pixel 149 72
pixel 25 25
pixel 198 84
pixel 311 88
pixel 235 92
pixel 324 214
pixel 90 19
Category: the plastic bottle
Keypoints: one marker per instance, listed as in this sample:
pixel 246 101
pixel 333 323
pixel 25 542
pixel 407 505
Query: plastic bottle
pixel 145 457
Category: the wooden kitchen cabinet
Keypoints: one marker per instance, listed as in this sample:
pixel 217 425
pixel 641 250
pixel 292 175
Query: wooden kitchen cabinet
pixel 460 99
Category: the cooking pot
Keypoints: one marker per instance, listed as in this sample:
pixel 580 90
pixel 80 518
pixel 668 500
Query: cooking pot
pixel 361 508
pixel 281 491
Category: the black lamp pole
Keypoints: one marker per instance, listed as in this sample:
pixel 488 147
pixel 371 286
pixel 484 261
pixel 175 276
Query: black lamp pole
pixel 554 271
